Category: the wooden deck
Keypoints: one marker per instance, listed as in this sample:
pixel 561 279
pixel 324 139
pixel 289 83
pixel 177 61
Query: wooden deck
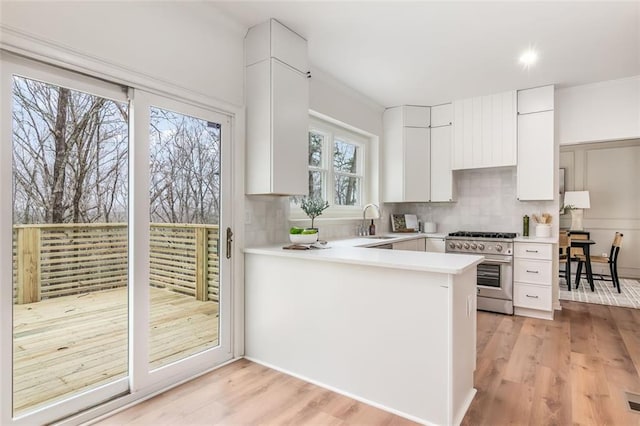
pixel 72 343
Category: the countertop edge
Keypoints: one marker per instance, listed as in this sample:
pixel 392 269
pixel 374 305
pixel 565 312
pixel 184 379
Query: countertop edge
pixel 534 239
pixel 325 255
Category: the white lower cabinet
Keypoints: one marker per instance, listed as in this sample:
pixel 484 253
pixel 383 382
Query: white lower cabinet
pixel 417 244
pixel 435 244
pixel 533 280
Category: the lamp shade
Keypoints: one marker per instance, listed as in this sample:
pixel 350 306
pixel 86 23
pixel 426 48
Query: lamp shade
pixel 577 199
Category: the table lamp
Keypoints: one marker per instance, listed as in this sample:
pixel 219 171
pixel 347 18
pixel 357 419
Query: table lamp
pixel 577 201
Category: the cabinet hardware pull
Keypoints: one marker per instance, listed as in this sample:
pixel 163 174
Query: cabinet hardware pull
pixel 532 251
pixel 533 297
pixel 532 272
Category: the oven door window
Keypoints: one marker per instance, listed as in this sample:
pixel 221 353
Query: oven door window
pixel 489 275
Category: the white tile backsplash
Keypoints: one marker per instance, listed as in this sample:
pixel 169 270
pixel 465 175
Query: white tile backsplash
pixel 267 222
pixel 486 201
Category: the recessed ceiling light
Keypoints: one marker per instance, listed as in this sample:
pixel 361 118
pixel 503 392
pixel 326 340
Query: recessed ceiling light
pixel 528 58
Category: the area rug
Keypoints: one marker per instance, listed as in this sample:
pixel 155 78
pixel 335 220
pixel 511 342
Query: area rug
pixel 605 294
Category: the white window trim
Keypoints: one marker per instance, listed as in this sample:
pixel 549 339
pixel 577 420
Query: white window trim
pixel 366 167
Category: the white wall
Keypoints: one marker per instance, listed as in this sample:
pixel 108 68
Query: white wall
pixel 606 110
pixel 186 47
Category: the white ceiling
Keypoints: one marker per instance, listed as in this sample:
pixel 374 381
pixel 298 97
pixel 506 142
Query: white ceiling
pixel 427 53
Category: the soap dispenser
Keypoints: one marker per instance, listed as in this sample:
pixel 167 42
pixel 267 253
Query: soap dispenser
pixel 372 228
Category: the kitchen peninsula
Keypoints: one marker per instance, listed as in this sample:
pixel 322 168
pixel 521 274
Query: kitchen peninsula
pixel 395 329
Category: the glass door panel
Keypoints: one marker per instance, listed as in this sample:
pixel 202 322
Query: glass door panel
pixel 184 284
pixel 70 243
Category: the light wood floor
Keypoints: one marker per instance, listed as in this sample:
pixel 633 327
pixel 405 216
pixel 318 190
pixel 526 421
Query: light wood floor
pixel 68 344
pixel 573 370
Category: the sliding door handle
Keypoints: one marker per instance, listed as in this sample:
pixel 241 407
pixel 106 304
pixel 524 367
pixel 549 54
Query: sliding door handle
pixel 229 241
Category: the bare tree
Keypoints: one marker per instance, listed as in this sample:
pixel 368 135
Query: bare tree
pixel 70 155
pixel 185 168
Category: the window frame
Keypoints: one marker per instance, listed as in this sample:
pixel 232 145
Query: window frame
pixel 332 131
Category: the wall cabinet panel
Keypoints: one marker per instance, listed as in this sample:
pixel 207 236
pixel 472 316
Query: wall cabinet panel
pixel 484 131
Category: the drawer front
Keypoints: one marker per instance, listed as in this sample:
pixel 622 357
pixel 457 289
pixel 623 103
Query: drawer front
pixel 534 251
pixel 532 296
pixel 532 271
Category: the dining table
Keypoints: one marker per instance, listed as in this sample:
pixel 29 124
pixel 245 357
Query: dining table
pixel 585 246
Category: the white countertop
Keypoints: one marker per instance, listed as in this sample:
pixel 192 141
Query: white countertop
pixel 389 238
pixel 534 239
pixel 354 251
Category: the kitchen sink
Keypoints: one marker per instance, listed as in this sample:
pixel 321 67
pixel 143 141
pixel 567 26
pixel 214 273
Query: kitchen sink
pixel 379 237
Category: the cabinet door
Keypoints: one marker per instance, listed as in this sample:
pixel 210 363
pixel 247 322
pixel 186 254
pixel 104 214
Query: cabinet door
pixel 535 156
pixel 535 100
pixel 288 47
pixel 499 129
pixel 416 116
pixel 441 174
pixel 435 245
pixel 411 245
pixel 290 123
pixel 457 151
pixel 392 159
pixel 417 165
pixel 441 115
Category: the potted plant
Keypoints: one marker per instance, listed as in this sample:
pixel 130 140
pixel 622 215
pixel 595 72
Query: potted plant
pixel 313 207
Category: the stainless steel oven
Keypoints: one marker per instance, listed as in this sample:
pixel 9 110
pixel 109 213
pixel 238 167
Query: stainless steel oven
pixel 495 273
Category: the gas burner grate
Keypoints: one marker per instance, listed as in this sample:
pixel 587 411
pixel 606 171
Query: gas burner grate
pixel 472 234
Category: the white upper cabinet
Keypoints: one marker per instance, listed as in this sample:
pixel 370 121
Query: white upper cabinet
pixel 441 115
pixel 441 173
pixel 417 164
pixel 271 39
pixel 484 131
pixel 405 156
pixel 536 145
pixel 416 116
pixel 535 100
pixel 277 99
pixel 416 159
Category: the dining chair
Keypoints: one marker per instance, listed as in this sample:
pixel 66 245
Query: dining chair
pixel 611 260
pixel 564 245
pixel 578 235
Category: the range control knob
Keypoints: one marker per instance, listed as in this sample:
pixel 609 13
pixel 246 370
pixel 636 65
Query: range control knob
pixel 498 247
pixel 452 245
pixel 466 246
pixel 459 245
pixel 474 246
pixel 480 246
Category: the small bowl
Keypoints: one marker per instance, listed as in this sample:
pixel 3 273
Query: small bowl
pixel 303 238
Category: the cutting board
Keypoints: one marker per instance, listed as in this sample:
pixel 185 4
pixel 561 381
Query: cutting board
pixel 411 220
pixel 404 223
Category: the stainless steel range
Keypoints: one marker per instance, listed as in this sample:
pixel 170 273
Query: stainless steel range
pixel 495 273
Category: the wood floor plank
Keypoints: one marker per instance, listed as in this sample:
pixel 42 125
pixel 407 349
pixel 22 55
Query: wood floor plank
pixel 570 371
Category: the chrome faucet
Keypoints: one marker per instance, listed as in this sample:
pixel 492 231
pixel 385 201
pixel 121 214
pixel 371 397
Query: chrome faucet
pixel 364 216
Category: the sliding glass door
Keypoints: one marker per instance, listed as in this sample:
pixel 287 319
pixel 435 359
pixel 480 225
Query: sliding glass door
pixel 181 234
pixel 115 274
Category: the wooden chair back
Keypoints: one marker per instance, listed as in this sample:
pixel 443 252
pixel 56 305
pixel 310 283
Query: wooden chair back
pixel 617 240
pixel 564 242
pixel 615 247
pixel 578 235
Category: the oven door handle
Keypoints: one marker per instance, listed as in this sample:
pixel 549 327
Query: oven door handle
pixel 496 261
